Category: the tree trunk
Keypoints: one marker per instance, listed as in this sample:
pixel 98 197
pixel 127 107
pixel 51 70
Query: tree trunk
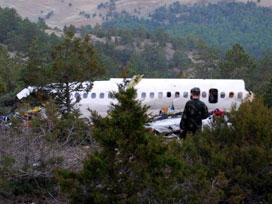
pixel 67 98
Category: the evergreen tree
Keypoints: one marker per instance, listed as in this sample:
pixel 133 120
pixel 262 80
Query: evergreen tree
pixel 237 63
pixel 180 60
pixel 34 73
pixel 268 95
pixel 74 62
pixel 9 71
pixel 261 77
pixel 133 165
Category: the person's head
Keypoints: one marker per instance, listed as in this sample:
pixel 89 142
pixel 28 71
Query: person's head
pixel 195 92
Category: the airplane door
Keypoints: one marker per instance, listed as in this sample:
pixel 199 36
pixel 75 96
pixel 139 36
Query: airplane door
pixel 213 98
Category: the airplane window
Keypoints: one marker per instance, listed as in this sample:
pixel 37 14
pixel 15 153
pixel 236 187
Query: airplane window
pixel 204 94
pixel 152 95
pixel 240 95
pixel 93 95
pixel 231 94
pixel 160 95
pixel 143 95
pixel 85 95
pixel 213 95
pixel 101 95
pixel 110 95
pixel 77 95
pixel 222 95
pixel 177 95
pixel 168 94
pixel 185 94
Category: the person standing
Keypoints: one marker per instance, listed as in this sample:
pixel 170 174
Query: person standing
pixel 194 112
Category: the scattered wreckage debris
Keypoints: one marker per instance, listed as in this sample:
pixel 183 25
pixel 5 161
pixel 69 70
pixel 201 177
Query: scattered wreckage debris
pixel 29 114
pixel 168 125
pixel 5 121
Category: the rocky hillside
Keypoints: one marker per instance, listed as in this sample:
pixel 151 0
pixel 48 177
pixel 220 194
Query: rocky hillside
pixel 58 13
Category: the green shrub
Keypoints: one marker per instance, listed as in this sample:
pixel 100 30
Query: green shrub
pixel 241 152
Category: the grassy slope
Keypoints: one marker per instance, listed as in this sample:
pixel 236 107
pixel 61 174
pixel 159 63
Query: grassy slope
pixel 65 14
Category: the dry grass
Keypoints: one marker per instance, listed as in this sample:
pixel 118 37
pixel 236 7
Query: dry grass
pixel 66 15
pixel 34 156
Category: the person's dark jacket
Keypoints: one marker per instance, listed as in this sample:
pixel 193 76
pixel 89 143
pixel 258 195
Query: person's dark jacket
pixel 194 112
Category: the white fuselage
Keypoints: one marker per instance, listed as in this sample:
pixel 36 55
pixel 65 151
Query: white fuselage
pixel 166 93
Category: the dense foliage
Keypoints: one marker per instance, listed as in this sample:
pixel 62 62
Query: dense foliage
pixel 241 152
pixel 221 24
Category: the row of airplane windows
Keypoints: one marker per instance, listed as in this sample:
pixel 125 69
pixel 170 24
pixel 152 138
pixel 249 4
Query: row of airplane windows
pixel 213 95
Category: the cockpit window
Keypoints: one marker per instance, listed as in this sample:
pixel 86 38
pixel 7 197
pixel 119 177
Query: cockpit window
pixel 213 95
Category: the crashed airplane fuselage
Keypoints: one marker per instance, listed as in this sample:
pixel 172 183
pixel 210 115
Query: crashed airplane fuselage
pixel 163 94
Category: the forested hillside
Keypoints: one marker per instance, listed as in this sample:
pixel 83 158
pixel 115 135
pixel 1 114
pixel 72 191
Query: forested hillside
pixel 221 24
pixel 154 54
pixel 18 33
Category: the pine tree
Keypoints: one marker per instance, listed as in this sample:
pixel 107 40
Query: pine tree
pixel 133 166
pixel 9 71
pixel 237 64
pixel 268 95
pixel 73 67
pixel 34 73
pixel 74 62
